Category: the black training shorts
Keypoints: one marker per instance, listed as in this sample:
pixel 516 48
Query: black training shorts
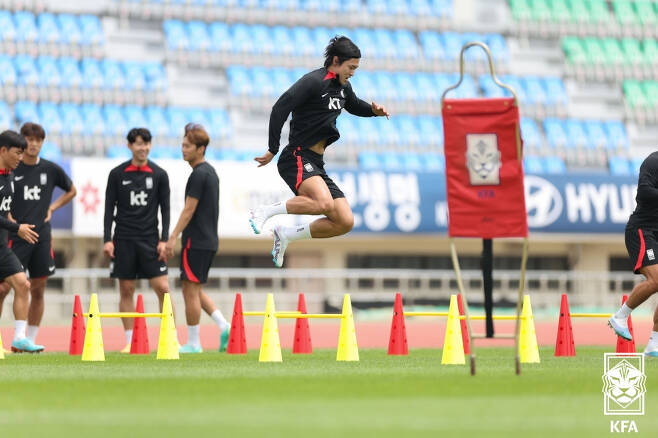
pixel 136 259
pixel 297 164
pixel 9 263
pixel 37 258
pixel 195 264
pixel 642 247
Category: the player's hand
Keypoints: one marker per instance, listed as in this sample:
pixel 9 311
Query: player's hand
pixel 379 110
pixel 25 232
pixel 108 249
pixel 49 214
pixel 162 251
pixel 169 246
pixel 264 159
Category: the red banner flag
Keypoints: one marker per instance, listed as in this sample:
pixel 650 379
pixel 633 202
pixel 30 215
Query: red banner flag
pixel 484 173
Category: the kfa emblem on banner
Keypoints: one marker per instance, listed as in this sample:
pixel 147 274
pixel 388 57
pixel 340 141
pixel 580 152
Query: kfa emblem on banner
pixel 483 159
pixel 623 384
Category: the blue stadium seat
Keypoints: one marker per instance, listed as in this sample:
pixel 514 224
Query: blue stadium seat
pixel 452 44
pixel 49 117
pixel 432 45
pixel 635 165
pixel 443 8
pixel 7 71
pixel 48 29
pixel 363 84
pixel 490 88
pixel 134 116
pixel 156 76
pixel 175 34
pixel 431 130
pixel 426 87
pixel 159 152
pixel 119 151
pixel 596 134
pixel 197 36
pixel 554 165
pixel 198 115
pixel 530 133
pixel 114 120
pixel 351 6
pixel 70 73
pixel 620 166
pixel 93 119
pixel 157 121
pixel 555 133
pixel 114 77
pixel 576 134
pixel 240 81
pixel 369 160
pixel 368 131
pixel 263 85
pixel 177 118
pixel 6 116
pixel 219 124
pixel 262 38
pixel 72 118
pixel 133 72
pixel 48 71
pixel 69 28
pixel 411 161
pixel 377 6
pixel 408 130
pixel 384 40
pixel 348 129
pixel 92 74
pixel 26 111
pixel 535 93
pixel 26 27
pixel 434 162
pixel 241 37
pixel 421 8
pixel 283 41
pixel 406 86
pixel 281 80
pixel 406 44
pixel 303 40
pixel 220 36
pixel 365 39
pixel 617 134
pixel 556 92
pixel 50 151
pixel 498 46
pixel 26 70
pixel 7 27
pixel 92 29
pixel 387 130
pixel 517 85
pixel 533 164
pixel 386 85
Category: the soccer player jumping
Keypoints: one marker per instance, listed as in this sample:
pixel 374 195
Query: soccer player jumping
pixel 315 100
pixel 642 246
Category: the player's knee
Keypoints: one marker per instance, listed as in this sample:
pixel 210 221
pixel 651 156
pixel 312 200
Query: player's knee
pixel 126 292
pixel 36 293
pixel 325 206
pixel 346 223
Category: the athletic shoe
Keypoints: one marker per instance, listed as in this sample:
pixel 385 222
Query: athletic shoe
pixel 652 353
pixel 257 219
pixel 25 345
pixel 619 329
pixel 189 348
pixel 126 349
pixel 280 245
pixel 223 339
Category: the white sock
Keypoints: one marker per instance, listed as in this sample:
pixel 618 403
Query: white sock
pixel 193 335
pixel 274 209
pixel 653 342
pixel 297 233
pixel 623 313
pixel 32 331
pixel 19 329
pixel 129 336
pixel 222 323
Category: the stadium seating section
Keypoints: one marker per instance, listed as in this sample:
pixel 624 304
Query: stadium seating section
pixel 54 70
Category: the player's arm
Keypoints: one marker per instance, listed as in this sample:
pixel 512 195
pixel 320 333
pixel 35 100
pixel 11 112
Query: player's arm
pixel 361 108
pixel 61 201
pixel 647 185
pixel 24 231
pixel 110 202
pixel 165 212
pixel 296 95
pixel 184 219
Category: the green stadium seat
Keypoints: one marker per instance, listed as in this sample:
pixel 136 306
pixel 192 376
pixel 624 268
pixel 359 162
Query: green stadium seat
pixel 612 51
pixel 646 12
pixel 520 10
pixel 651 93
pixel 632 51
pixel 625 13
pixel 598 11
pixel 560 11
pixel 540 10
pixel 595 53
pixel 650 50
pixel 574 50
pixel 580 11
pixel 635 95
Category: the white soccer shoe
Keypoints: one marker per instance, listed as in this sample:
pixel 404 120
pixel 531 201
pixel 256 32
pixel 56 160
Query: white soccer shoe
pixel 280 245
pixel 257 219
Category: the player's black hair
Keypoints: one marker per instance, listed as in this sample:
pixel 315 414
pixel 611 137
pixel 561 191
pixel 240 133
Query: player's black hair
pixel 139 132
pixel 342 47
pixel 34 130
pixel 12 139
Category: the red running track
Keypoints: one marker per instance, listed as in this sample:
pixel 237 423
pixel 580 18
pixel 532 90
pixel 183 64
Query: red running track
pixel 372 334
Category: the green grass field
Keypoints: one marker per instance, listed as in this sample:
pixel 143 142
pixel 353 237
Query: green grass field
pixel 214 394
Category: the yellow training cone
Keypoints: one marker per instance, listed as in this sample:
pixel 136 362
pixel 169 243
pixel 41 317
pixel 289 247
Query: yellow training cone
pixel 347 348
pixel 168 341
pixel 2 350
pixel 453 345
pixel 270 344
pixel 93 347
pixel 528 350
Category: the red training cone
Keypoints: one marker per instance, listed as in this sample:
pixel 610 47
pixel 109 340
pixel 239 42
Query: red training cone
pixel 302 341
pixel 237 340
pixel 462 322
pixel 564 345
pixel 397 344
pixel 624 346
pixel 77 328
pixel 139 343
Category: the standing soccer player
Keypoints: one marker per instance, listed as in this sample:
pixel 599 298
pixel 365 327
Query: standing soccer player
pixel 315 100
pixel 35 180
pixel 136 189
pixel 198 223
pixel 12 145
pixel 642 245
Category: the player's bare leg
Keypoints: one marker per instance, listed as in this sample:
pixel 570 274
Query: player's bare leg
pixel 640 293
pixel 35 311
pixel 192 296
pixel 21 286
pixel 208 306
pixel 127 304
